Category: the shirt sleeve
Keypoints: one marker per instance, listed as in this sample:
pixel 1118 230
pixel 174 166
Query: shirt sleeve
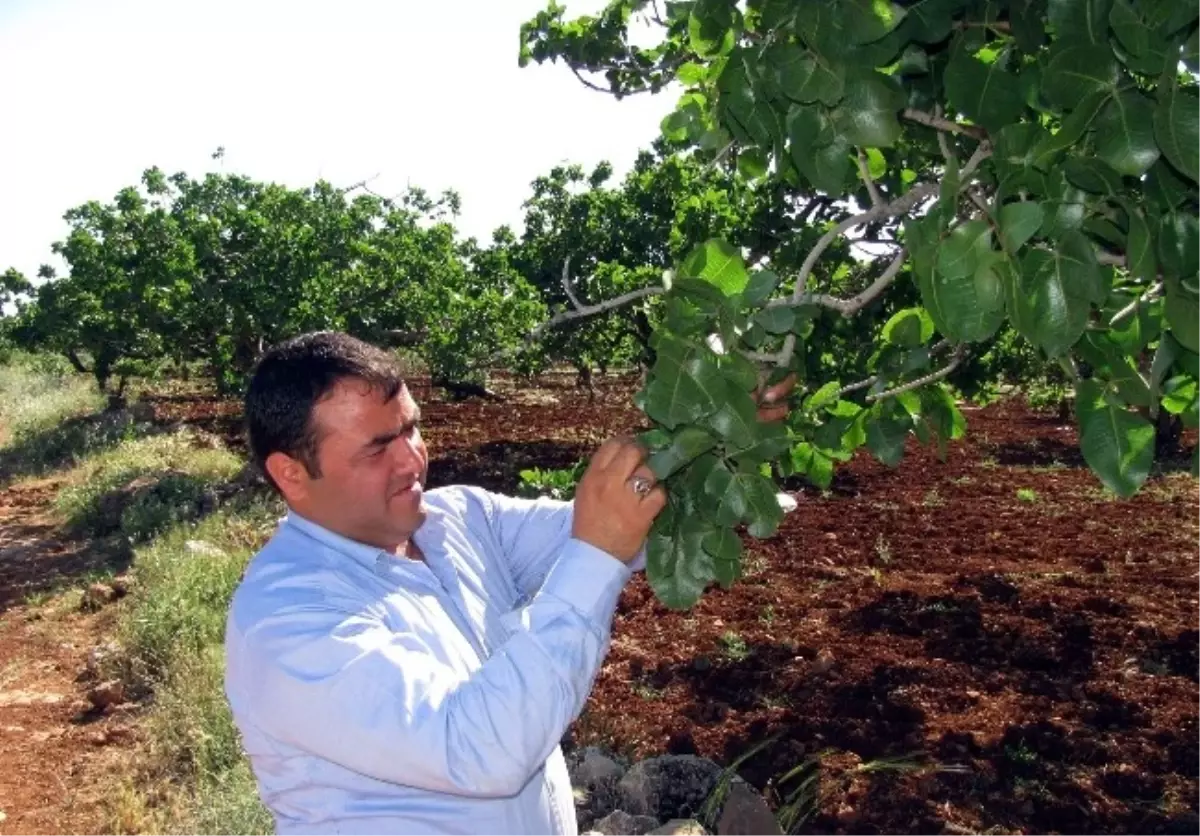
pixel 344 686
pixel 531 533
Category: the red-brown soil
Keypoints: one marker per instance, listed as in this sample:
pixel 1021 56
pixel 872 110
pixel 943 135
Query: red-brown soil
pixel 1023 665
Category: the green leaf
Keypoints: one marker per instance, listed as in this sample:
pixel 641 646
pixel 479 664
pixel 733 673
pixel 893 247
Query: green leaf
pixel 710 28
pixel 868 115
pixel 985 93
pixel 749 497
pixel 822 157
pixel 691 74
pixel 1018 223
pixel 735 421
pixel 1117 444
pixel 1139 251
pixel 1092 175
pixel 960 252
pixel 867 21
pixel 886 436
pixel 1080 20
pixel 723 544
pixel 686 445
pixel 1183 314
pixel 967 304
pixel 1179 245
pixel 1072 129
pixel 717 262
pixel 763 513
pixel 823 397
pixel 908 328
pixel 1146 47
pixel 1179 393
pixel 752 163
pixel 1125 133
pixel 930 21
pixel 771 440
pixel 777 319
pixel 813 464
pixel 759 287
pixel 1027 18
pixel 1077 72
pixel 1060 286
pixel 677 567
pixel 674 397
pixel 805 76
pixel 1177 127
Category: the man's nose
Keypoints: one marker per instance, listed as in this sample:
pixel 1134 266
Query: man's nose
pixel 406 456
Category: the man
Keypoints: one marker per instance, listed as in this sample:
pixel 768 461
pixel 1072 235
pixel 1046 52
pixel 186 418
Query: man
pixel 403 661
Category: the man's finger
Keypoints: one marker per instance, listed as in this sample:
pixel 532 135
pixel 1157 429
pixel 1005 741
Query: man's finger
pixel 780 390
pixel 655 501
pixel 627 460
pixel 607 452
pixel 766 414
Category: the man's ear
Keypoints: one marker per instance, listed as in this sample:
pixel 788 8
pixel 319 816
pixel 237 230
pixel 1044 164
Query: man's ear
pixel 289 474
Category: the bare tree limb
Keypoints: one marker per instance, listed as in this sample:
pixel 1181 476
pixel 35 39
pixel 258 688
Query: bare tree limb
pixel 865 170
pixel 940 123
pixel 593 310
pixel 566 283
pixel 1151 294
pixel 939 346
pixel 851 306
pixel 956 359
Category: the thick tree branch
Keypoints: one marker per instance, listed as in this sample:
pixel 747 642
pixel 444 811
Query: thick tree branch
pixel 940 123
pixel 593 310
pixel 566 283
pixel 851 306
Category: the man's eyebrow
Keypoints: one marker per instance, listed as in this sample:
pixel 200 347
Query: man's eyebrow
pixel 387 438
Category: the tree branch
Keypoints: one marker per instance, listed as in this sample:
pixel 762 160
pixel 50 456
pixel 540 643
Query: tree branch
pixel 593 310
pixel 865 170
pixel 1150 294
pixel 956 359
pixel 851 306
pixel 566 283
pixel 939 346
pixel 938 122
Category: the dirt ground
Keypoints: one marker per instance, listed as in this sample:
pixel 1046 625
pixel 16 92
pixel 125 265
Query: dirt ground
pixel 986 644
pixel 56 751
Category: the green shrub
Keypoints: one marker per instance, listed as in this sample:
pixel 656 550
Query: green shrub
pixel 556 484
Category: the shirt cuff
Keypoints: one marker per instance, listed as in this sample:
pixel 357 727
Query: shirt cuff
pixel 587 578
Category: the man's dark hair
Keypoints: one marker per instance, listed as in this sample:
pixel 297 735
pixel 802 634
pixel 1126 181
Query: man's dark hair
pixel 293 377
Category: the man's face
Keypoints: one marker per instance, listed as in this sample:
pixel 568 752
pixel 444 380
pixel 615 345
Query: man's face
pixel 373 465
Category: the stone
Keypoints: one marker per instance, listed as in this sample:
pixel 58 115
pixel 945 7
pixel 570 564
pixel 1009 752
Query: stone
pixel 97 595
pixel 746 812
pixel 594 777
pixel 668 787
pixel 824 662
pixel 619 822
pixel 107 693
pixel 681 827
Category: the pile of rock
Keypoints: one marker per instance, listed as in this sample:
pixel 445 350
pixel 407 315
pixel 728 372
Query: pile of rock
pixel 679 794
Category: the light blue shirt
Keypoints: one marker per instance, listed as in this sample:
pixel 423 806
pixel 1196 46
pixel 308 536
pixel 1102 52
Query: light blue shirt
pixel 377 694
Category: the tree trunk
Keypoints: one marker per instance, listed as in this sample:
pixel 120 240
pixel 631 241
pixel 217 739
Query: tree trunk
pixel 76 363
pixel 1168 431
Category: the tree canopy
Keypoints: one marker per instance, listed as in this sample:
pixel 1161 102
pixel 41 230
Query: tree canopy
pixel 1020 163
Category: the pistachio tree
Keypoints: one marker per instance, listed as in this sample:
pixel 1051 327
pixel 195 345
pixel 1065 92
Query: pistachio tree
pixel 1029 164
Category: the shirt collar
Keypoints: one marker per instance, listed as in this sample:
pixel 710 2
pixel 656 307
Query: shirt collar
pixel 363 553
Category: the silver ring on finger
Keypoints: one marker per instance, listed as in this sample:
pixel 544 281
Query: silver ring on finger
pixel 641 485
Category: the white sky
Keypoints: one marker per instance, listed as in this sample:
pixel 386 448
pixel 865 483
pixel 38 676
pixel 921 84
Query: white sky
pixel 93 93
